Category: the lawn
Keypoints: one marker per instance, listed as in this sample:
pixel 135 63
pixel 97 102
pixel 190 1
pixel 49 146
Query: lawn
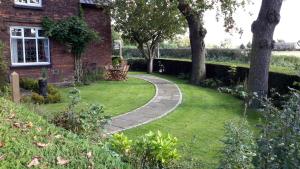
pixel 198 122
pixel 117 97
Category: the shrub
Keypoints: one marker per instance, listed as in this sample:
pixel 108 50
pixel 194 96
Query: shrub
pixel 53 98
pixel 32 85
pixel 37 99
pixel 88 121
pixel 211 83
pixel 279 137
pixel 116 61
pixel 29 84
pixel 238 91
pixel 239 147
pixel 3 69
pixel 153 150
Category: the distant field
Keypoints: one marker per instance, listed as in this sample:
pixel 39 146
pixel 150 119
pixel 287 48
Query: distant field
pixel 287 53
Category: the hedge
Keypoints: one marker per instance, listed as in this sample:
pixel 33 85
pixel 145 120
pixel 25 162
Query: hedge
pixel 278 81
pixel 221 55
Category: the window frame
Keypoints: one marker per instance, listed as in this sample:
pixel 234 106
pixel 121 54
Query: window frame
pixel 23 38
pixel 28 3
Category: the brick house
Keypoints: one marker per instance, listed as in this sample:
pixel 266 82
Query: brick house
pixel 27 51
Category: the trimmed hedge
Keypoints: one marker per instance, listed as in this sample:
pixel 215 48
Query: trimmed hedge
pixel 222 55
pixel 278 81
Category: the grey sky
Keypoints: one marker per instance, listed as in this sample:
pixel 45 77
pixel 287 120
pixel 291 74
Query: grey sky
pixel 288 29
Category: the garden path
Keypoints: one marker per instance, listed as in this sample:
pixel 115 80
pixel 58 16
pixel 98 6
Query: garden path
pixel 167 98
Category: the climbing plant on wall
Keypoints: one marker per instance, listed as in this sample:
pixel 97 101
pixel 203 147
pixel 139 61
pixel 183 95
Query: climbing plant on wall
pixel 73 32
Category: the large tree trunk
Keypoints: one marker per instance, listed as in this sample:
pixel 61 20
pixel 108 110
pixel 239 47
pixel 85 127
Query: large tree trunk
pixel 197 35
pixel 262 44
pixel 150 65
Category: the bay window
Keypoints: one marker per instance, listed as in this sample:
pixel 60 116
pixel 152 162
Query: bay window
pixel 29 46
pixel 34 3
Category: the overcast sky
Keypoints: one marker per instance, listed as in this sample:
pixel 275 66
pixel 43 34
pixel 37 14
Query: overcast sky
pixel 288 29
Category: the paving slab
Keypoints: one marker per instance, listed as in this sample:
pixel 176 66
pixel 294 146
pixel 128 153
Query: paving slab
pixel 167 98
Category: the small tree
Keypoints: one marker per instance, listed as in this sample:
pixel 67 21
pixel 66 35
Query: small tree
pixel 73 32
pixel 147 23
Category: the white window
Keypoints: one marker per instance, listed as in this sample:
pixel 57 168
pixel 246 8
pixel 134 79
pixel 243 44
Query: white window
pixel 29 46
pixel 35 3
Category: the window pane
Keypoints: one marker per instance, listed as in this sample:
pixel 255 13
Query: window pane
pixel 17 50
pixel 41 33
pixel 16 32
pixel 29 32
pixel 34 1
pixel 43 46
pixel 30 50
pixel 22 1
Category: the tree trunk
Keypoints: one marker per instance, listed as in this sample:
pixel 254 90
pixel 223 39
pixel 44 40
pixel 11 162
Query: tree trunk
pixel 197 35
pixel 78 69
pixel 262 44
pixel 150 65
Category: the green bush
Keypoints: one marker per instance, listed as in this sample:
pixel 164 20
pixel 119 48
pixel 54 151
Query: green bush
pixel 53 93
pixel 153 150
pixel 238 91
pixel 37 99
pixel 29 84
pixel 53 98
pixel 87 121
pixel 116 61
pixel 278 144
pixel 239 147
pixel 211 83
pixel 3 69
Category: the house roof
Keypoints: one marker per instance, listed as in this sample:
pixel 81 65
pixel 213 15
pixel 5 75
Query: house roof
pixel 96 2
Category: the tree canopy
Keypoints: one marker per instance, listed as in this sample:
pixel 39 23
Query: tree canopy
pixel 147 22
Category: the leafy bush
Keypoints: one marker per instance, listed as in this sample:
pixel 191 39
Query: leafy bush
pixel 29 84
pixel 37 99
pixel 53 98
pixel 3 69
pixel 151 151
pixel 211 83
pixel 279 139
pixel 88 121
pixel 239 147
pixel 116 61
pixel 238 91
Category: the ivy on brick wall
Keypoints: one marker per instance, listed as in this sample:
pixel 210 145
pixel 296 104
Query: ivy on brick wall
pixel 75 33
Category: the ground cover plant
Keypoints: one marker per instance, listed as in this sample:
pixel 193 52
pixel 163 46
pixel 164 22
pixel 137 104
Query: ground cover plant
pixel 116 97
pixel 198 123
pixel 29 141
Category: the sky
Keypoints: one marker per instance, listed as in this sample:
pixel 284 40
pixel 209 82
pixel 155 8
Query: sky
pixel 288 28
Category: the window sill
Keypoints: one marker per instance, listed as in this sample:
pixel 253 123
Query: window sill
pixel 30 65
pixel 29 7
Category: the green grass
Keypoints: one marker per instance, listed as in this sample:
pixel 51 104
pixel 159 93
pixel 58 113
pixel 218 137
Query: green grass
pixel 198 122
pixel 117 97
pixel 18 146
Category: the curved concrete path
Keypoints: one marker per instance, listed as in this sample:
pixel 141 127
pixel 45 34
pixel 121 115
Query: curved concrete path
pixel 168 96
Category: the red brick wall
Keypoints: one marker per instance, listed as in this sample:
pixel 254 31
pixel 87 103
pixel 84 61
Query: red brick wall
pixel 62 62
